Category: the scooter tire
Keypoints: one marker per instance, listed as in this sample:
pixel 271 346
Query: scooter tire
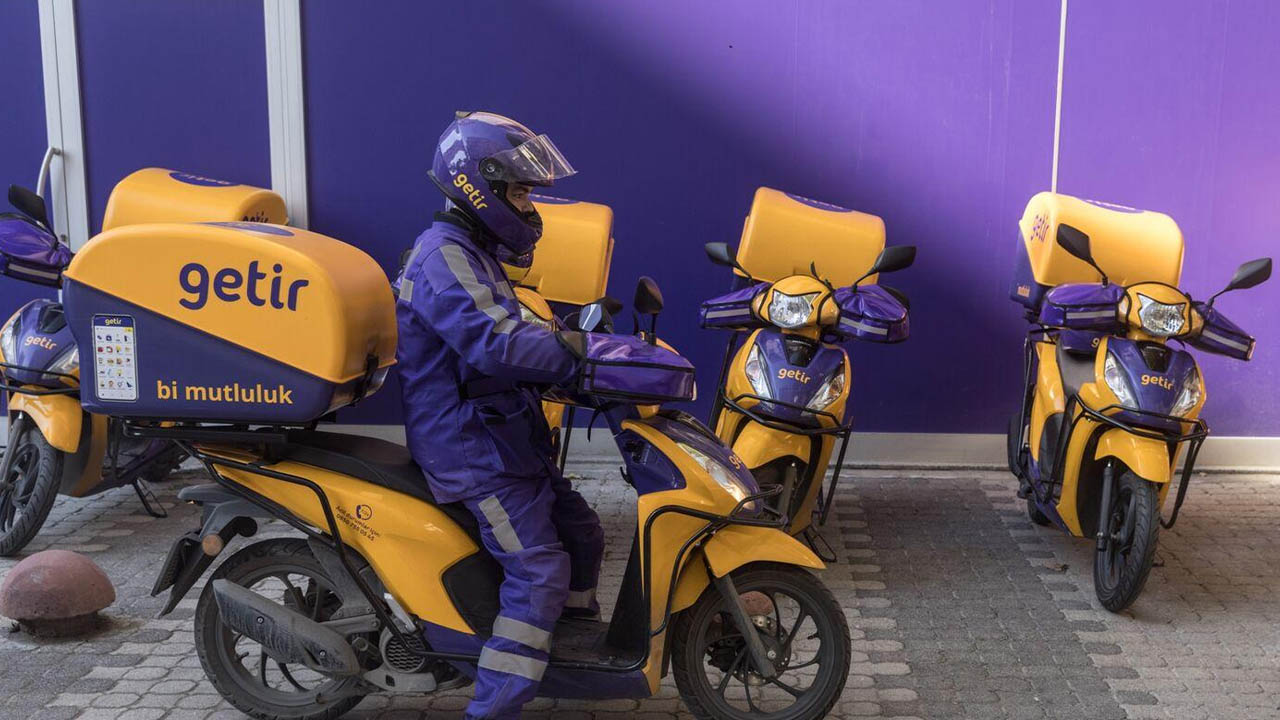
pixel 1034 514
pixel 1118 589
pixel 260 560
pixel 692 626
pixel 42 486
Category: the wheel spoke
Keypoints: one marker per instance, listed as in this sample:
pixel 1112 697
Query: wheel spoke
pixel 817 660
pixel 284 670
pixel 291 590
pixel 729 672
pixel 262 668
pixel 795 692
pixel 746 686
pixel 791 636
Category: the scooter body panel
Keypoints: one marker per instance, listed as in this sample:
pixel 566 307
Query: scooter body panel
pixel 409 543
pixel 57 416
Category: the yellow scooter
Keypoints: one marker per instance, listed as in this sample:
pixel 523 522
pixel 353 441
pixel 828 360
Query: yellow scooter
pixel 390 590
pixel 784 389
pixel 1107 404
pixel 55 447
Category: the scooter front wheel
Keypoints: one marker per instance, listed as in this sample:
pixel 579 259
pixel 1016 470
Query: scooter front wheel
pixel 803 629
pixel 1121 567
pixel 28 492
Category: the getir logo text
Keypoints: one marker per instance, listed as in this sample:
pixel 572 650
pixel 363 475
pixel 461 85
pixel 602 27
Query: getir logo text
pixel 473 193
pixel 230 285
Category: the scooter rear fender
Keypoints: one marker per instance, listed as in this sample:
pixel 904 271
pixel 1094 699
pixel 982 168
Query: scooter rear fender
pixel 225 516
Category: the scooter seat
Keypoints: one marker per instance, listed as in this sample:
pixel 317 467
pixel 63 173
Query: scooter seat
pixel 380 462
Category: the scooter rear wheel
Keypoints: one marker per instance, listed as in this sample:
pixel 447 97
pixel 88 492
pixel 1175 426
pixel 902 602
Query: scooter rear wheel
pixel 1121 569
pixel 27 495
pixel 284 570
pixel 797 618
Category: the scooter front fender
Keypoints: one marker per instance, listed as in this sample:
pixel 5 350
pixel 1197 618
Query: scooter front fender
pixel 1148 458
pixel 730 549
pixel 758 445
pixel 58 416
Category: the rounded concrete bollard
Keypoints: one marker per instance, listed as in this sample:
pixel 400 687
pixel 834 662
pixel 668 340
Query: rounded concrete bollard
pixel 56 593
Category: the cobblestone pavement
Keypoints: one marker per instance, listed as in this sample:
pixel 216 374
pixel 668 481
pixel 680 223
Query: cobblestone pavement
pixel 959 608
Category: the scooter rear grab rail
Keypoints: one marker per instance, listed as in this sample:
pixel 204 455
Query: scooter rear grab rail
pixel 333 539
pixel 1194 439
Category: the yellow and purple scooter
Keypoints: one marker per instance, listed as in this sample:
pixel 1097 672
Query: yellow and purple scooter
pixel 54 446
pixel 1107 405
pixel 807 276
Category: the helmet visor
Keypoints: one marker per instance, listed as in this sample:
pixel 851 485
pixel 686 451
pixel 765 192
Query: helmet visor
pixel 536 161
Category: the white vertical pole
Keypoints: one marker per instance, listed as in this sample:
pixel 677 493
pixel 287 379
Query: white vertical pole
pixel 285 106
pixel 62 120
pixel 1057 105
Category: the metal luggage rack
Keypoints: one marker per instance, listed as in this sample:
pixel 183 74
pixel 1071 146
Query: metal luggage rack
pixel 331 535
pixel 1194 439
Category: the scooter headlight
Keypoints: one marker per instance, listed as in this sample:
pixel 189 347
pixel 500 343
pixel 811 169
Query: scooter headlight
pixel 1161 319
pixel 790 311
pixel 724 476
pixel 1189 396
pixel 757 375
pixel 528 316
pixel 828 391
pixel 8 344
pixel 1118 383
pixel 67 362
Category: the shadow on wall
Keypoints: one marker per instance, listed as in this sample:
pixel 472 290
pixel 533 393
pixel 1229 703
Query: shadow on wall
pixel 676 124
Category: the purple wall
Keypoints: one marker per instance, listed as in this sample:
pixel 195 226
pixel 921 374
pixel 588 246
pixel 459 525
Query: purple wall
pixel 22 129
pixel 172 84
pixel 939 117
pixel 1179 111
pixel 936 116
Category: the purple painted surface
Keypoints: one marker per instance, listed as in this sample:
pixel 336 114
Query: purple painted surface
pixel 172 84
pixel 792 384
pixel 22 126
pixel 1174 106
pixel 936 116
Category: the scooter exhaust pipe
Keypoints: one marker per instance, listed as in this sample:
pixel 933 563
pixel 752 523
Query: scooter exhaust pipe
pixel 286 635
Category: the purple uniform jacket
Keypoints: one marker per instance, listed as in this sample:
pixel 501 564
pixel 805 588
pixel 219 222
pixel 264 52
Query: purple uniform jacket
pixel 467 364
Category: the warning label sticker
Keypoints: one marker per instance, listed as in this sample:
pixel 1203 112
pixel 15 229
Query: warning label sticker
pixel 115 362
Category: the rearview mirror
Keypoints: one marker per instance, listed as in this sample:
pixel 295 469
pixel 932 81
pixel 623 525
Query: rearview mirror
pixel 893 258
pixel 29 204
pixel 719 254
pixel 1076 243
pixel 1254 272
pixel 648 300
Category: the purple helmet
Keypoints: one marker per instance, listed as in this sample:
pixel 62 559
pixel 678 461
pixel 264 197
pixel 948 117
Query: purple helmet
pixel 478 155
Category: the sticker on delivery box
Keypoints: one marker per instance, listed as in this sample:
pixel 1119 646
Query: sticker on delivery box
pixel 115 362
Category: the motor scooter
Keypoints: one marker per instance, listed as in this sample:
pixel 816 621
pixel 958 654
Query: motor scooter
pixel 783 395
pixel 1107 405
pixel 391 591
pixel 54 447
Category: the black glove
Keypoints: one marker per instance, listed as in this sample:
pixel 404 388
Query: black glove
pixel 574 341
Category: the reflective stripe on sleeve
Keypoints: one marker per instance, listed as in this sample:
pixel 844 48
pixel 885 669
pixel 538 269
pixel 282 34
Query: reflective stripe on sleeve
pixel 580 599
pixel 481 294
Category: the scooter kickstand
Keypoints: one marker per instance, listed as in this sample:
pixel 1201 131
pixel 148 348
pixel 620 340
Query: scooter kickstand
pixel 759 656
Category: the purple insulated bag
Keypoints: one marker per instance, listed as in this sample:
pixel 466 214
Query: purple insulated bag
pixel 871 313
pixel 1082 306
pixel 731 310
pixel 624 367
pixel 1220 335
